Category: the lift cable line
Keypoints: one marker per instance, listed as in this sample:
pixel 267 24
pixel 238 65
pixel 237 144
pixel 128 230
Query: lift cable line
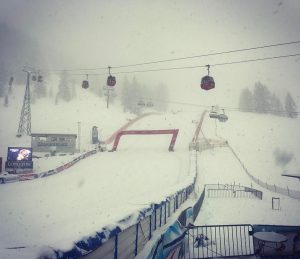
pixel 177 59
pixel 210 54
pixel 221 107
pixel 197 66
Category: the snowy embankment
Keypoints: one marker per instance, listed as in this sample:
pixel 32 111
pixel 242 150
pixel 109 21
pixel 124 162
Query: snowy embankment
pixel 240 210
pixel 106 187
pixel 98 191
pixel 266 144
pixel 255 146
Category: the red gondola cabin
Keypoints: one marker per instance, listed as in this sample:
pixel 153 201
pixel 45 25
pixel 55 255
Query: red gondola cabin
pixel 85 84
pixel 207 83
pixel 111 81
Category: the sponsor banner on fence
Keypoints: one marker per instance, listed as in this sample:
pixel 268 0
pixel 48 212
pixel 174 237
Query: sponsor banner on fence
pixel 18 164
pixel 25 177
pixel 170 245
pixel 9 179
pixel 173 241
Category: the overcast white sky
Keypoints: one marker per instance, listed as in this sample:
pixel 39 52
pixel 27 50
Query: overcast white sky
pixel 93 34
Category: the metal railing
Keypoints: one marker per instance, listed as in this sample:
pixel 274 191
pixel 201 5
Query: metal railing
pixel 219 241
pixel 127 243
pixel 272 187
pixel 231 191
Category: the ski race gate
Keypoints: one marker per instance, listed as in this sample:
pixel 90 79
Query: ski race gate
pixel 173 132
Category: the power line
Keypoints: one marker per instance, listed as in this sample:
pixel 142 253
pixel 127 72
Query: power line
pixel 196 66
pixel 77 69
pixel 210 54
pixel 268 111
pixel 181 58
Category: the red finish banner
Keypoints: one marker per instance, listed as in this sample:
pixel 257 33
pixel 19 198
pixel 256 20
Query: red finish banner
pixel 174 132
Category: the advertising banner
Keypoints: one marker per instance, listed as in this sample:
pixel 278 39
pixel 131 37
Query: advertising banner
pixel 19 159
pixel 170 245
pixel 19 154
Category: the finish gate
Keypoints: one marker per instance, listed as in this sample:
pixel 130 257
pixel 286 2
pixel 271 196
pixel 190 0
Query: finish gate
pixel 174 132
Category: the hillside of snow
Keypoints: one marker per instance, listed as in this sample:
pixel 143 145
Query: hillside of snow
pixel 107 187
pixel 268 145
pixel 82 113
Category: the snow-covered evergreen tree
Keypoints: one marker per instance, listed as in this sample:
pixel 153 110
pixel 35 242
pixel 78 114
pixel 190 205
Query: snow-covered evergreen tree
pixel 64 87
pixel 125 94
pixel 97 87
pixel 161 96
pixel 135 96
pixel 6 101
pixel 262 98
pixel 50 93
pixel 246 102
pixel 290 106
pixel 276 106
pixel 40 88
pixel 3 79
pixel 130 95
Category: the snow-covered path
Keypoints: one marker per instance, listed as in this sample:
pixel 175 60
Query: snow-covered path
pixel 106 187
pixel 98 191
pixel 220 166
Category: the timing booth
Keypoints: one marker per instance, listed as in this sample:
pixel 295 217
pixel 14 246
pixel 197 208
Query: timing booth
pixel 61 143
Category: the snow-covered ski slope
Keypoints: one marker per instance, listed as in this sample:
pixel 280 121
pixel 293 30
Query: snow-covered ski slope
pixel 254 138
pixel 100 190
pixel 106 187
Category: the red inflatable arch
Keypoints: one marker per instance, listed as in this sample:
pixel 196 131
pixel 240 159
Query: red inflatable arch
pixel 174 132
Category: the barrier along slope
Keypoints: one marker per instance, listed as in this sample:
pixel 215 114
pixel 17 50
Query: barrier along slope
pixel 176 241
pixel 10 178
pixel 210 143
pixel 271 187
pixel 173 242
pixel 130 235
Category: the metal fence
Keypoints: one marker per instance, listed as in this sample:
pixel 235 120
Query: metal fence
pixel 272 187
pixel 129 242
pixel 231 191
pixel 198 205
pixel 219 241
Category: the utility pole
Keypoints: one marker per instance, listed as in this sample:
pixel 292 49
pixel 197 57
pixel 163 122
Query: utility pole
pixel 8 92
pixel 25 118
pixel 108 94
pixel 79 133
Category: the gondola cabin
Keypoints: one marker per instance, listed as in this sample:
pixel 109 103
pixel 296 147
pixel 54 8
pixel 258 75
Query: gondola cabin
pixel 33 78
pixel 222 117
pixel 213 113
pixel 111 80
pixel 207 83
pixel 85 84
pixel 141 103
